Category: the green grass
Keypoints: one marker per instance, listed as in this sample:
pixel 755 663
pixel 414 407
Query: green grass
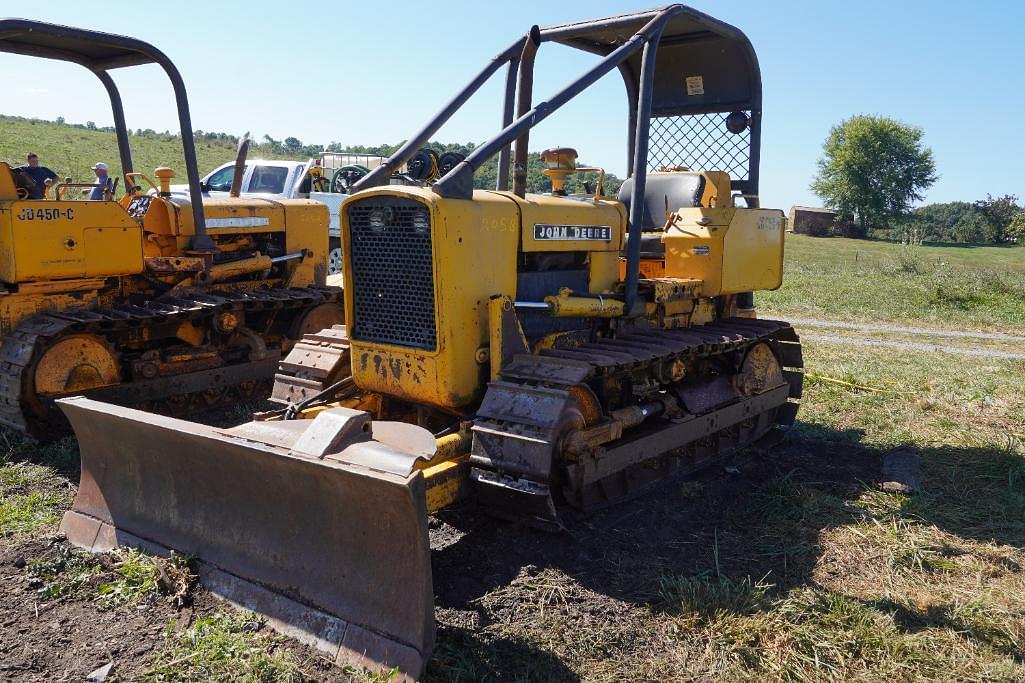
pixel 225 646
pixel 819 575
pixel 32 497
pixel 135 579
pixel 947 285
pixel 35 484
pixel 902 587
pixel 710 595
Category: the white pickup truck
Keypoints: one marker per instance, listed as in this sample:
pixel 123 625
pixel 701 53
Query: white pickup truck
pixel 276 179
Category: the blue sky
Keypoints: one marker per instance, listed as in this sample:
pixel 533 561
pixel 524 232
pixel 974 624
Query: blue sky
pixel 373 72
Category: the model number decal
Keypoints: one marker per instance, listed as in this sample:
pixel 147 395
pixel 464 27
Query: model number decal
pixel 600 233
pixel 250 222
pixel 30 214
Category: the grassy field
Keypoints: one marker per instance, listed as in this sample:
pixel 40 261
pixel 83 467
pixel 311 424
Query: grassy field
pixel 71 151
pixel 808 571
pixel 799 567
pixel 977 287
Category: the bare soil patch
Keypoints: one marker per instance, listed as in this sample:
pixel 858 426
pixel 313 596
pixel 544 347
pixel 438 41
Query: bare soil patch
pixel 64 637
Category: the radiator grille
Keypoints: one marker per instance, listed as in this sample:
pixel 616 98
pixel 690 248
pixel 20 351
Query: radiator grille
pixel 392 272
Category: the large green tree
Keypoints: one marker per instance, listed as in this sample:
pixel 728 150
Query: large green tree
pixel 873 168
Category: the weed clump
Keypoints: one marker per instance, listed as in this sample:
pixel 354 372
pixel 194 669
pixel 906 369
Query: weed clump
pixel 124 577
pixel 710 596
pixel 138 577
pixel 225 646
pixel 62 573
pixel 961 295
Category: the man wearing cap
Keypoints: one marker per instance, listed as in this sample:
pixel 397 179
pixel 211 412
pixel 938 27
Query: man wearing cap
pixel 40 174
pixel 102 182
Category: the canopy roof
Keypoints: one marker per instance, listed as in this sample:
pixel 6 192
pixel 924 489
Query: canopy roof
pixel 692 44
pixel 93 49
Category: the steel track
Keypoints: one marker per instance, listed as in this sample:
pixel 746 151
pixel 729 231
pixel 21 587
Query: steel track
pixel 182 394
pixel 516 457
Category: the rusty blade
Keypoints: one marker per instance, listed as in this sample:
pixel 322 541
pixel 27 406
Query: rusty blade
pixel 333 552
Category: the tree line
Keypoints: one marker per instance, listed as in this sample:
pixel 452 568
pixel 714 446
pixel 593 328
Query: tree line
pixel 993 220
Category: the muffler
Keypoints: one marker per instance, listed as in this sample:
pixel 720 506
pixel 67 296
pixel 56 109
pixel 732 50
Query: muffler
pixel 320 525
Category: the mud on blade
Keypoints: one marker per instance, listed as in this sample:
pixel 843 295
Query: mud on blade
pixel 332 548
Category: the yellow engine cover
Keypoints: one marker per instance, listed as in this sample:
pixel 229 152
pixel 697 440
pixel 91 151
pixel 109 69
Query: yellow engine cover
pixel 552 223
pixel 46 240
pixel 730 250
pixel 305 223
pixel 473 248
pixel 472 254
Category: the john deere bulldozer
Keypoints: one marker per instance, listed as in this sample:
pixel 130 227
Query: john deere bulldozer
pixel 541 354
pixel 173 304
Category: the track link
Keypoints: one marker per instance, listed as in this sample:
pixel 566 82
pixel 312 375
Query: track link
pixel 315 362
pixel 518 435
pixel 182 394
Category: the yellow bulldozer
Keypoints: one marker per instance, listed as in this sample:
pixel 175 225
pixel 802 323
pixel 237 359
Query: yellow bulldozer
pixel 155 301
pixel 540 354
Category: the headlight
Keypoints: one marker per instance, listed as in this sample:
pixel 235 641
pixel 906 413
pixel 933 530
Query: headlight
pixel 378 219
pixel 421 221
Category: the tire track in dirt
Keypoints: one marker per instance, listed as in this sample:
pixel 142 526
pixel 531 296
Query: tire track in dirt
pixel 836 332
pixel 912 346
pixel 933 332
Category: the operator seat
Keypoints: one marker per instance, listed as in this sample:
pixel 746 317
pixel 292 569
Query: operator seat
pixel 674 190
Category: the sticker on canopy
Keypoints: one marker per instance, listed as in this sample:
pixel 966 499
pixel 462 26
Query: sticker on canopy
pixel 598 233
pixel 695 85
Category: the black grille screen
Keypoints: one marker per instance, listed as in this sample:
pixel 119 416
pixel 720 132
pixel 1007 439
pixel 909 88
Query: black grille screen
pixel 700 142
pixel 393 275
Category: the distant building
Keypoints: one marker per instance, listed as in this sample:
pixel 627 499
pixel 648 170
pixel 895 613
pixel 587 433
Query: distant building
pixel 807 220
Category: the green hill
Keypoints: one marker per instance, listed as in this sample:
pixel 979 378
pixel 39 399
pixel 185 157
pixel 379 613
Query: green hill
pixel 71 149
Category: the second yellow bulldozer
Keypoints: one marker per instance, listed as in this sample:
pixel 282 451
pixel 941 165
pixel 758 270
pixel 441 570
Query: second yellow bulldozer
pixel 541 354
pixel 173 304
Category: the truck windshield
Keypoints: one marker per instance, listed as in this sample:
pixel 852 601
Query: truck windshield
pixel 220 180
pixel 269 179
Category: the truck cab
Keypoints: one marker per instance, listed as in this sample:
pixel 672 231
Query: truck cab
pixel 263 179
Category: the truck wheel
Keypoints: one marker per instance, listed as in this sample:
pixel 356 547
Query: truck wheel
pixel 334 256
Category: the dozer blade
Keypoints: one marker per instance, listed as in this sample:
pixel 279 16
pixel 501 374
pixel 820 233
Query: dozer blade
pixel 312 523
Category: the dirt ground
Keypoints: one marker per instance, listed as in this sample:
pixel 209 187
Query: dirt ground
pixel 49 640
pixel 66 639
pixel 483 570
pixel 604 574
